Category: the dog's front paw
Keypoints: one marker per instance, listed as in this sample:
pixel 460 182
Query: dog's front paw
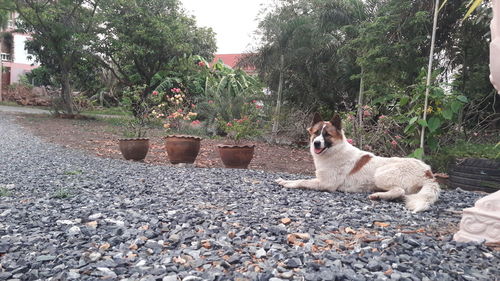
pixel 374 196
pixel 286 183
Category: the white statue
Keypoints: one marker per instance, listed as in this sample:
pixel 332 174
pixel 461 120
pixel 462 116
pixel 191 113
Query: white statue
pixel 482 222
pixel 495 47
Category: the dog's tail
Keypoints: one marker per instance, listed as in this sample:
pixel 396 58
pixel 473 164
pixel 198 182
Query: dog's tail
pixel 422 200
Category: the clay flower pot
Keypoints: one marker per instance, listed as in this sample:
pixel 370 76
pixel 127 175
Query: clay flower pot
pixel 236 156
pixel 134 149
pixel 182 148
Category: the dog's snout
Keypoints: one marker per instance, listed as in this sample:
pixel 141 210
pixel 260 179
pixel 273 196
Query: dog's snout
pixel 317 144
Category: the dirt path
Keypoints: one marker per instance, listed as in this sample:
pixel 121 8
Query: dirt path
pixel 100 138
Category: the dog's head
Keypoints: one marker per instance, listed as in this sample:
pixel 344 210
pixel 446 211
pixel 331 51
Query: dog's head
pixel 325 134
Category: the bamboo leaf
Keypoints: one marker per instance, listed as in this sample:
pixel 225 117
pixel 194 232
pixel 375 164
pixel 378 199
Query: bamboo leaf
pixel 442 5
pixel 472 8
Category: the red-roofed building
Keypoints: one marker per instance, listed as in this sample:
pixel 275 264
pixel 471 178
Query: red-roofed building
pixel 231 60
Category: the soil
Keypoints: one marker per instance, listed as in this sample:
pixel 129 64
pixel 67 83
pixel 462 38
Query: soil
pixel 101 138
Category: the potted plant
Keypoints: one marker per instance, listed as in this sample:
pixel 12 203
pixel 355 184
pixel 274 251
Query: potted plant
pixel 239 155
pixel 177 113
pixel 135 146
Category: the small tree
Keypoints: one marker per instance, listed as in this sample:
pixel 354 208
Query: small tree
pixel 140 37
pixel 61 32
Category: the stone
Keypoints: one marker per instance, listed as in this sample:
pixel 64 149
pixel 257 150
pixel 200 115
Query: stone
pixel 170 278
pixel 45 258
pixel 66 222
pixel 260 253
pixel 293 263
pixel 72 275
pixel 106 272
pixel 74 230
pixel 95 216
pixel 94 256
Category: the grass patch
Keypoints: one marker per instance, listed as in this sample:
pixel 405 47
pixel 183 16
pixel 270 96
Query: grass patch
pixel 4 192
pixel 62 193
pixel 13 103
pixel 10 103
pixel 116 122
pixel 73 173
pixel 116 111
pixel 462 149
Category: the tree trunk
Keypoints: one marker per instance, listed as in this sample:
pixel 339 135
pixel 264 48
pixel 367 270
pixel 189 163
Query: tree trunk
pixel 66 96
pixel 429 72
pixel 1 76
pixel 1 71
pixel 280 97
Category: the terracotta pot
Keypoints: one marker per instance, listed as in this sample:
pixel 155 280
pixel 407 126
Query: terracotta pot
pixel 134 149
pixel 182 148
pixel 236 156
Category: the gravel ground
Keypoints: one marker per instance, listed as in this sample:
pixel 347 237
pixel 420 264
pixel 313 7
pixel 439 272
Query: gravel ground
pixel 69 216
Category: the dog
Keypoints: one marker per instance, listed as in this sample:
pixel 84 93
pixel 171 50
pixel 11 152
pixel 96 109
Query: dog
pixel 341 166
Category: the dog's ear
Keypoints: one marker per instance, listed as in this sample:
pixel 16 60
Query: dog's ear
pixel 336 121
pixel 317 118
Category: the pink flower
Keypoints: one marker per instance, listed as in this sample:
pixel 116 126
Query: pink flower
pixel 382 117
pixel 179 110
pixel 254 101
pixel 210 101
pixel 196 122
pixel 229 124
pixel 193 105
pixel 239 121
pixel 350 141
pixel 155 93
pixel 201 63
pixel 394 143
pixel 175 90
pixel 350 117
pixel 258 106
pixel 398 137
pixel 366 113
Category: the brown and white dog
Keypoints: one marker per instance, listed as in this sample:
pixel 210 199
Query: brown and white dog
pixel 341 166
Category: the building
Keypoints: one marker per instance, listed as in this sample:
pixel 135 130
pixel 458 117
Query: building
pixel 14 56
pixel 231 60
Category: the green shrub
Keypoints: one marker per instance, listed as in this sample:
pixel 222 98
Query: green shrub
pixel 448 155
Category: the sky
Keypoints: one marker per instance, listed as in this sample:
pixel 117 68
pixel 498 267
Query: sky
pixel 233 21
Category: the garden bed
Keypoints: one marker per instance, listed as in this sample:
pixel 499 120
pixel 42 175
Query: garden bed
pixel 101 138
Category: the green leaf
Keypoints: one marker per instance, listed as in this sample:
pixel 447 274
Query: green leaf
pixel 432 143
pixel 403 101
pixel 418 153
pixel 462 98
pixel 455 106
pixel 408 128
pixel 413 120
pixel 447 114
pixel 434 123
pixel 423 123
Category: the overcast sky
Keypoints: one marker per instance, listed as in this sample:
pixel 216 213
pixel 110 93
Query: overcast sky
pixel 234 21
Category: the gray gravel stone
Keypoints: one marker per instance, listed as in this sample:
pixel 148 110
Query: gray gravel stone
pixel 139 221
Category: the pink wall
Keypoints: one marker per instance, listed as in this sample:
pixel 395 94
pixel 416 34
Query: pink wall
pixel 18 69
